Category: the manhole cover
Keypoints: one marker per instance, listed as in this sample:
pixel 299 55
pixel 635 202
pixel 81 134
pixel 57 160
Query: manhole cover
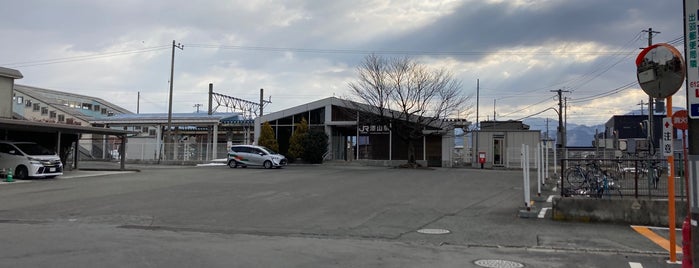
pixel 498 264
pixel 433 231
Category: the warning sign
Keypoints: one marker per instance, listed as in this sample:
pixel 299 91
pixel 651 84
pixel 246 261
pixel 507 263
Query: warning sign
pixel 667 136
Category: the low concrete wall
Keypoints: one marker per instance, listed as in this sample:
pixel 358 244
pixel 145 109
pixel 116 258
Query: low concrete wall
pixel 628 211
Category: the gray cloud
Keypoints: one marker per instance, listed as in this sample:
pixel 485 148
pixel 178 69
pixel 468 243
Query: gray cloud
pixel 42 30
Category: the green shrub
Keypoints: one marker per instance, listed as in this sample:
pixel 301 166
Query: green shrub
pixel 296 147
pixel 267 138
pixel 315 146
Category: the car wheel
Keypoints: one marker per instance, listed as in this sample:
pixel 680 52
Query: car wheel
pixel 232 164
pixel 268 164
pixel 21 173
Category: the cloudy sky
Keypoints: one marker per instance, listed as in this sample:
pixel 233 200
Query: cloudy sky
pixel 304 50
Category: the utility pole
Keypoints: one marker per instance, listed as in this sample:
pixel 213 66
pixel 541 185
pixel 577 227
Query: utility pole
pixel 138 103
pixel 565 122
pixel 478 92
pixel 168 139
pixel 642 104
pixel 197 106
pixel 651 146
pixel 494 110
pixel 211 96
pixel 262 101
pixel 561 129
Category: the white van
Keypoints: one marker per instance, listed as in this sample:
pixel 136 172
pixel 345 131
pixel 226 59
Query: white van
pixel 251 155
pixel 28 159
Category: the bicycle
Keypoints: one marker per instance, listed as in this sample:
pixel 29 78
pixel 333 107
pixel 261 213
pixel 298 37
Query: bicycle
pixel 591 181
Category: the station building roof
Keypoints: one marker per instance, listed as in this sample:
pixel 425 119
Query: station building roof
pixel 177 119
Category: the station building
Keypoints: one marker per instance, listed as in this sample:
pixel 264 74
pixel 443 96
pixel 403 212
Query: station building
pixel 353 138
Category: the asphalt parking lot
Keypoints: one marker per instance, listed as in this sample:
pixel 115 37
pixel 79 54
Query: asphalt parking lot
pixel 299 216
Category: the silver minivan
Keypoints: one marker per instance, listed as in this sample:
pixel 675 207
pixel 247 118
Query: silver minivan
pixel 252 155
pixel 28 159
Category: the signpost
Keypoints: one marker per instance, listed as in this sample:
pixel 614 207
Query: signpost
pixel 690 36
pixel 660 72
pixel 680 121
pixel 667 136
pixel 692 85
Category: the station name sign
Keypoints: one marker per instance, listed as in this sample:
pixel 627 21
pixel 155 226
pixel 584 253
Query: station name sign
pixel 374 129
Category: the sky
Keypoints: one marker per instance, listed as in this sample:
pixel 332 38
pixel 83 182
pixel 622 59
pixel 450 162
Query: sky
pixel 513 52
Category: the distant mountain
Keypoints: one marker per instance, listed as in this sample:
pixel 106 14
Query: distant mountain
pixel 582 135
pixel 578 135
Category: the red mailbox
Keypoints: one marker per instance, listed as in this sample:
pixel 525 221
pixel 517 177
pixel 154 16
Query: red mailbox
pixel 481 158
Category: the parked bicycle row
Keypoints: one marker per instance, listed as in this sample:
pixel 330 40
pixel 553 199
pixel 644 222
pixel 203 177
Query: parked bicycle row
pixel 617 178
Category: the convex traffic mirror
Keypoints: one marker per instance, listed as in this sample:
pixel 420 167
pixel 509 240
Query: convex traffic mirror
pixel 660 70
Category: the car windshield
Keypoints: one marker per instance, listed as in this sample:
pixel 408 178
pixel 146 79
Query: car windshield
pixel 268 150
pixel 33 149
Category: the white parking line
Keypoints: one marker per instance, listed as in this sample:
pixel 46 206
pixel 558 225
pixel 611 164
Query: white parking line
pixel 542 213
pixel 635 265
pixel 550 199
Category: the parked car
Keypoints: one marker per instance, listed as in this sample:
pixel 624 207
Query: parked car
pixel 28 159
pixel 252 155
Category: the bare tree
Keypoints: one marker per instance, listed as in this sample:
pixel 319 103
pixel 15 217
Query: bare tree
pixel 408 97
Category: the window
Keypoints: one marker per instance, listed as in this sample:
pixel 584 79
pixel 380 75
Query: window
pixel 36 107
pixel 6 148
pixel 44 110
pixel 96 108
pixel 151 132
pixel 104 110
pixel 28 103
pixel 61 118
pixel 86 106
pixel 238 149
pixel 20 99
pixel 52 114
pixel 69 121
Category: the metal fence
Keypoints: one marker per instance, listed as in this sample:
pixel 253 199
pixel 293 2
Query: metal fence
pixel 142 150
pixel 619 178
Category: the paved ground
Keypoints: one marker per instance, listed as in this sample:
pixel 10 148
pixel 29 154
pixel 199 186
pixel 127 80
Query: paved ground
pixel 300 216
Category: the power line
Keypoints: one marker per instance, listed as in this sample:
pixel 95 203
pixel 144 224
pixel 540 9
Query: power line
pixel 535 114
pixel 397 52
pixel 525 108
pixel 606 93
pixel 82 58
pixel 627 50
